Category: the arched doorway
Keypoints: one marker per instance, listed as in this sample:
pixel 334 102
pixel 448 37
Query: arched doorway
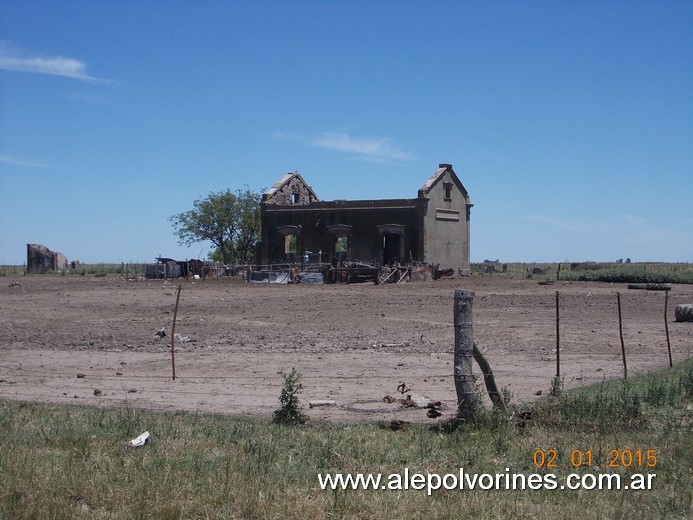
pixel 392 236
pixel 291 243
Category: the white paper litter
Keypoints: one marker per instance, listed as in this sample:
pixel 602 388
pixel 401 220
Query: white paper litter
pixel 140 441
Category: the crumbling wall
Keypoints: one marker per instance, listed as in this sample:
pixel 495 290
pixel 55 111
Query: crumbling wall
pixel 291 190
pixel 364 223
pixel 40 259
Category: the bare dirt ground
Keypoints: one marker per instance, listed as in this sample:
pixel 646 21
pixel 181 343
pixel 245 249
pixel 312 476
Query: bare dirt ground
pixel 352 343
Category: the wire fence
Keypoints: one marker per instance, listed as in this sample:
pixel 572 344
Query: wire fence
pixel 381 376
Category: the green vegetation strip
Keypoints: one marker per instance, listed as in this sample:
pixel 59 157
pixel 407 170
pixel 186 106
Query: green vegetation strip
pixel 72 462
pixel 618 272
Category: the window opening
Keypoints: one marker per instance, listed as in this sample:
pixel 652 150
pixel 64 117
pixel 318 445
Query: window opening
pixel 341 248
pixel 290 248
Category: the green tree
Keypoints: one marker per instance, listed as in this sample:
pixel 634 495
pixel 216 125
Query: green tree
pixel 229 220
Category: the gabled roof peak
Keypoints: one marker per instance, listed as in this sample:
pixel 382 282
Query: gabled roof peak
pixel 444 171
pixel 290 189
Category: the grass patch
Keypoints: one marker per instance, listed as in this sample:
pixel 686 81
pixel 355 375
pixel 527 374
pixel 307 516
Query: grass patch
pixel 72 462
pixel 617 272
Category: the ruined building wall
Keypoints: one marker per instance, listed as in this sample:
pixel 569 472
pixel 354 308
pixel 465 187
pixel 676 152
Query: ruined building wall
pixel 40 259
pixel 364 223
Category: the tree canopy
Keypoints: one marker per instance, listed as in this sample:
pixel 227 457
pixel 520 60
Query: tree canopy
pixel 229 220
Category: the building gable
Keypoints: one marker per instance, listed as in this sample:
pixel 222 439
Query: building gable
pixel 290 190
pixel 444 179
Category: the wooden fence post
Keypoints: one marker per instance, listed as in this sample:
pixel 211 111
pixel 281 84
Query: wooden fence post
pixel 464 352
pixel 666 327
pixel 558 337
pixel 620 331
pixel 173 335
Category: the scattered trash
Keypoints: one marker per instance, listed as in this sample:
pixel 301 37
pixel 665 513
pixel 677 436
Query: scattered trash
pixel 413 401
pixel 15 284
pixel 81 376
pixel 161 332
pixel 97 392
pixel 181 338
pixel 132 391
pixel 143 439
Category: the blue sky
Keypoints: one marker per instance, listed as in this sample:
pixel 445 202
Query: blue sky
pixel 570 123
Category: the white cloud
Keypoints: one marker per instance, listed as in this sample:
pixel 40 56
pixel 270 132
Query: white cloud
pixel 14 161
pixel 13 60
pixel 374 148
pixel 379 149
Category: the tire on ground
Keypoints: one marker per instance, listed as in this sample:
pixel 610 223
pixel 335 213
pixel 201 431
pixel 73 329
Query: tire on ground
pixel 684 312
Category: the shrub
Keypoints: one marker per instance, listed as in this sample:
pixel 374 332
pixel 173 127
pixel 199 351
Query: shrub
pixel 289 411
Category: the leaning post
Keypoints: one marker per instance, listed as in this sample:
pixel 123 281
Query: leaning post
pixel 464 352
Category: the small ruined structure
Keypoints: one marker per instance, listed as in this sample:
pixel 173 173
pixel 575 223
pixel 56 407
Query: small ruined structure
pixel 169 268
pixel 40 259
pixel 433 228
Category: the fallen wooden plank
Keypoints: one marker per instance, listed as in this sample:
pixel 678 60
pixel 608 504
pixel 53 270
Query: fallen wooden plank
pixel 321 402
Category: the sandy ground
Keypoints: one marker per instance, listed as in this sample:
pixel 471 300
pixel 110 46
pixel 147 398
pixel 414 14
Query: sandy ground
pixel 353 344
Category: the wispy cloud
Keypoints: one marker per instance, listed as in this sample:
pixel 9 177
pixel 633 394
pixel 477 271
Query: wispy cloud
pixel 13 60
pixel 380 149
pixel 15 161
pixel 628 229
pixel 579 226
pixel 377 148
pixel 639 230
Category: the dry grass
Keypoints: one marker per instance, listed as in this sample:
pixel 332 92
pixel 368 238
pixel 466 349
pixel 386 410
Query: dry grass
pixel 72 462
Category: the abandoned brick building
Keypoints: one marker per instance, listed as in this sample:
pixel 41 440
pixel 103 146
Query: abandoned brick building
pixel 432 228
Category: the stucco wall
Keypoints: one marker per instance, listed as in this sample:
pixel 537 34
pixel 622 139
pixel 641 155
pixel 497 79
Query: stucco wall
pixel 446 239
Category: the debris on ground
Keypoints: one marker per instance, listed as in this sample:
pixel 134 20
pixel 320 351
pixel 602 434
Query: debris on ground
pixel 143 439
pixel 321 402
pixel 413 400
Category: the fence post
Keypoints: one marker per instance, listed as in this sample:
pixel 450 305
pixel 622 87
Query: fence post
pixel 558 337
pixel 173 335
pixel 464 351
pixel 620 331
pixel 666 326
